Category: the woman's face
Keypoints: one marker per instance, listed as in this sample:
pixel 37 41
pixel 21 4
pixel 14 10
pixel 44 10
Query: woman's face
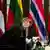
pixel 27 22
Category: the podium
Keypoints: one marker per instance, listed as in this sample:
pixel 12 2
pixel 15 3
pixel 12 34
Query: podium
pixel 41 48
pixel 47 48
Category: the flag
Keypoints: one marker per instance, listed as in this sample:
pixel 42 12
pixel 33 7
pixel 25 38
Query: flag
pixel 37 16
pixel 1 4
pixel 39 3
pixel 2 25
pixel 20 5
pixel 40 6
pixel 15 14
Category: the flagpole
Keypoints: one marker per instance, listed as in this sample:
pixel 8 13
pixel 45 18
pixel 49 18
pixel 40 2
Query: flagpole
pixel 26 31
pixel 21 31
